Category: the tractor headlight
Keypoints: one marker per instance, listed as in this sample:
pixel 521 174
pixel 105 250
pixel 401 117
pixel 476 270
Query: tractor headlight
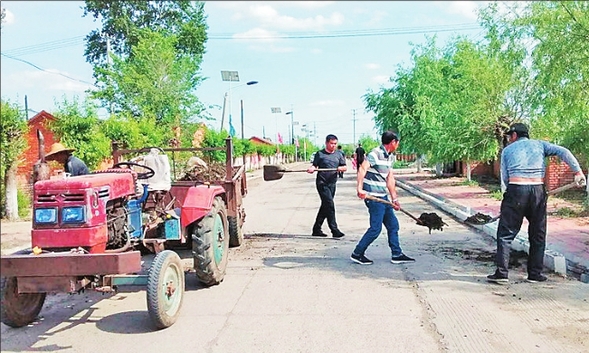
pixel 45 215
pixel 73 214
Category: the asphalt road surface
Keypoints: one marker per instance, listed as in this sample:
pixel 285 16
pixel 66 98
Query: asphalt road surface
pixel 286 291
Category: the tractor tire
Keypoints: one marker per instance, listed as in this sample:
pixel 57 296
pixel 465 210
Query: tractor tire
pixel 235 233
pixel 165 289
pixel 210 244
pixel 18 310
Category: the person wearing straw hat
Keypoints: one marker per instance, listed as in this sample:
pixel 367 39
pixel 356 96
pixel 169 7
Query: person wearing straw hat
pixel 71 164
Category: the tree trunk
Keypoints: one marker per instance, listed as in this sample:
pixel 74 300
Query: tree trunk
pixel 11 194
pixel 439 169
pixel 419 163
pixel 468 172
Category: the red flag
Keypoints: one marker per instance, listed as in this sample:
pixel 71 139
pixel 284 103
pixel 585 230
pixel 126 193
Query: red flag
pixel 297 143
pixel 279 138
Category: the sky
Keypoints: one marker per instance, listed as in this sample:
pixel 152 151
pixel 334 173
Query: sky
pixel 316 59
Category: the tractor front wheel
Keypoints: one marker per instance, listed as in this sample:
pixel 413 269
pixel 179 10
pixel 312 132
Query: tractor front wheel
pixel 165 288
pixel 18 309
pixel 210 244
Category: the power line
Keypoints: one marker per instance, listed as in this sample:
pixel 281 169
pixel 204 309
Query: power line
pixel 44 70
pixel 77 40
pixel 355 33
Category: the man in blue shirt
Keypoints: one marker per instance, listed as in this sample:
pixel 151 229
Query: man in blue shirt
pixel 375 177
pixel 522 179
pixel 72 165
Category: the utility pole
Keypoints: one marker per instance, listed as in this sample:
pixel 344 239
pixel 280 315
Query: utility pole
pixel 354 120
pixel 108 63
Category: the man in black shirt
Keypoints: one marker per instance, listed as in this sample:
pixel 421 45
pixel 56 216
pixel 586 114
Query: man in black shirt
pixel 327 158
pixel 359 155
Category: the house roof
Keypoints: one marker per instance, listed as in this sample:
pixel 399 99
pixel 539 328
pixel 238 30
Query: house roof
pixel 40 116
pixel 260 140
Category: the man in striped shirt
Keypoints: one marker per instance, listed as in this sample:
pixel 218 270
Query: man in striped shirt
pixel 375 178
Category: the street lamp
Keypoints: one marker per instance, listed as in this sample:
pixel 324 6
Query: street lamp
pixel 275 110
pixel 291 113
pixel 231 76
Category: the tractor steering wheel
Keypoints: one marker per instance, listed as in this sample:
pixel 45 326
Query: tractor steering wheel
pixel 150 172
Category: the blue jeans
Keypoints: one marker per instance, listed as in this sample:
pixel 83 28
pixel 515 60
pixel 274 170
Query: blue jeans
pixel 380 214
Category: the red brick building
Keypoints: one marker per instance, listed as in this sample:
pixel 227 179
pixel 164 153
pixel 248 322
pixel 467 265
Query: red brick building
pixel 31 155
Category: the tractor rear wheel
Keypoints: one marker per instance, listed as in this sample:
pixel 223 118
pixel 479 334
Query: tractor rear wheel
pixel 165 288
pixel 18 309
pixel 210 244
pixel 235 233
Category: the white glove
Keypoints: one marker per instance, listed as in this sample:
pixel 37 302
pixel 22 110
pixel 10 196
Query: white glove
pixel 580 179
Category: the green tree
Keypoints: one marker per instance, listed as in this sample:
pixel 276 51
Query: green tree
pixel 155 81
pixel 121 20
pixel 157 49
pixel 77 126
pixel 560 99
pixel 13 143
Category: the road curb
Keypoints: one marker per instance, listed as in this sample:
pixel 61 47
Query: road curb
pixel 553 260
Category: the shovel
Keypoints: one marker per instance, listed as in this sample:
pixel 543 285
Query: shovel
pixel 373 198
pixel 429 220
pixel 275 172
pixel 481 219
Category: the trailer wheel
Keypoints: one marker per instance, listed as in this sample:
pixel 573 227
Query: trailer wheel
pixel 165 288
pixel 235 233
pixel 16 309
pixel 210 244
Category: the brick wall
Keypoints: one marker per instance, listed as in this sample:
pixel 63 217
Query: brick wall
pixel 31 153
pixel 558 173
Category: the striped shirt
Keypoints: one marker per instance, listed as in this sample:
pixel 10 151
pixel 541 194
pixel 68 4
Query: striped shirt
pixel 375 181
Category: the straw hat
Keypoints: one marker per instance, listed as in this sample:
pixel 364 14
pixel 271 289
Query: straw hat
pixel 58 148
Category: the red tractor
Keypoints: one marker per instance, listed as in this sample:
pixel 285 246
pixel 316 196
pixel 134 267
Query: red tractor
pixel 90 232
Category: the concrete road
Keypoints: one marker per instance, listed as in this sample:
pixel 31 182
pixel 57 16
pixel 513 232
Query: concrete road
pixel 286 291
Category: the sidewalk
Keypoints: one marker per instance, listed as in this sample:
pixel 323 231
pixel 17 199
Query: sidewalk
pixel 567 243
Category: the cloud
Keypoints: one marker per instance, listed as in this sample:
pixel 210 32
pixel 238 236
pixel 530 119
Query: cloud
pixel 48 82
pixel 268 15
pixel 466 9
pixel 309 4
pixel 258 34
pixel 372 66
pixel 9 19
pixel 382 79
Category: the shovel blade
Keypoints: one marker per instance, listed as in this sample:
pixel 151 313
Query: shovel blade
pixel 273 172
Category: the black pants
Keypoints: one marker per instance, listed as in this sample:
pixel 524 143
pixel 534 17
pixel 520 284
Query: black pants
pixel 521 201
pixel 327 208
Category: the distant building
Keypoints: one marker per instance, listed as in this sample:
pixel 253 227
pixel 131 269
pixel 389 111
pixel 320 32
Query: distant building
pixel 261 141
pixel 31 155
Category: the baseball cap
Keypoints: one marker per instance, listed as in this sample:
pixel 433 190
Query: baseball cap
pixel 517 127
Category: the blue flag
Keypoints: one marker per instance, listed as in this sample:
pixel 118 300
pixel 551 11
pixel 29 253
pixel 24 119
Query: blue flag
pixel 231 128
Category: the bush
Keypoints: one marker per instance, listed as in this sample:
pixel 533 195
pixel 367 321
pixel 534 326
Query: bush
pixel 24 204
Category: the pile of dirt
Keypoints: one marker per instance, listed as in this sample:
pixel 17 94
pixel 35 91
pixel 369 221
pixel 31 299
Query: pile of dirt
pixel 211 173
pixel 431 221
pixel 478 218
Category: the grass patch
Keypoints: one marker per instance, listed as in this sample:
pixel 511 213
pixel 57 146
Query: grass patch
pixel 497 195
pixel 470 183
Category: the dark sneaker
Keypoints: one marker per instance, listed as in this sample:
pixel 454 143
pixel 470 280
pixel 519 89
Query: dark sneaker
pixel 319 234
pixel 360 259
pixel 537 278
pixel 497 279
pixel 337 234
pixel 401 259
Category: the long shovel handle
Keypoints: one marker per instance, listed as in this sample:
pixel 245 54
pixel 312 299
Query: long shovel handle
pixel 373 198
pixel 304 170
pixel 551 192
pixel 562 188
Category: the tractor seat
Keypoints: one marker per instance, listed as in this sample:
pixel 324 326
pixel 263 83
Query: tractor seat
pixel 161 180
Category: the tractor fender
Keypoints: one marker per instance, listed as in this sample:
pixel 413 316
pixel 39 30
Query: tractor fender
pixel 199 202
